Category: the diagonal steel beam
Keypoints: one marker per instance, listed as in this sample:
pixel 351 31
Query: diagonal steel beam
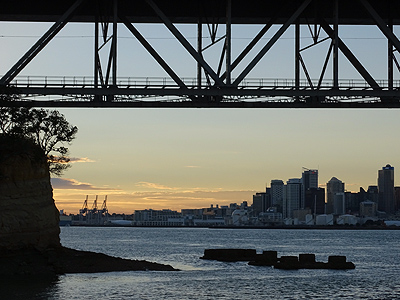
pixel 381 24
pixel 271 42
pixel 185 43
pixel 349 55
pixel 153 52
pixel 250 46
pixel 328 55
pixel 40 44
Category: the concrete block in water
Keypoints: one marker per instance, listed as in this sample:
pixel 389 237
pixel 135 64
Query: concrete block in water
pixel 339 262
pixel 288 263
pixel 267 258
pixel 230 254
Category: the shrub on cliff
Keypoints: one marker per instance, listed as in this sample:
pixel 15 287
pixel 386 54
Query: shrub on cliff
pixel 49 129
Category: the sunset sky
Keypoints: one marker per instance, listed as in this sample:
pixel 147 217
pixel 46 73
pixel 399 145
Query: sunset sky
pixel 192 158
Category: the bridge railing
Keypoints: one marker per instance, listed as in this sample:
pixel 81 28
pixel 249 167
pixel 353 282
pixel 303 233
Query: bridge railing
pixel 164 82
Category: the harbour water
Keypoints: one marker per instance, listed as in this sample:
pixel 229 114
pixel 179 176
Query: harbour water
pixel 374 252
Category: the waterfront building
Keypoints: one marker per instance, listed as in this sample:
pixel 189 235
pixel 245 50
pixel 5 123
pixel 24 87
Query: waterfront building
pixel 368 209
pixel 333 186
pixel 150 217
pixel 347 220
pixel 299 215
pixel 324 219
pixel 240 217
pixel 271 217
pixel 192 212
pixel 277 194
pixel 386 189
pixel 309 180
pixel 293 197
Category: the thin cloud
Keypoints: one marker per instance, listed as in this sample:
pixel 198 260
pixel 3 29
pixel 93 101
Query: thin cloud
pixel 72 184
pixel 153 185
pixel 192 167
pixel 81 160
pixel 191 195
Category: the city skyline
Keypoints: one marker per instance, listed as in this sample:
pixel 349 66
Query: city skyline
pixel 333 186
pixel 177 158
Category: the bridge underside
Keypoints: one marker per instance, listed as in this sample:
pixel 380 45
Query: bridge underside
pixel 214 86
pixel 189 12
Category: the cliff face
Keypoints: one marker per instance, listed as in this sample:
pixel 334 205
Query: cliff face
pixel 29 221
pixel 28 215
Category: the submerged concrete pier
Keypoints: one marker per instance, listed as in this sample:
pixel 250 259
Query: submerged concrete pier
pixel 270 258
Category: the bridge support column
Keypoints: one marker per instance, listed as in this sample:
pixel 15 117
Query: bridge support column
pixel 97 98
pixel 228 40
pixel 297 58
pixel 336 46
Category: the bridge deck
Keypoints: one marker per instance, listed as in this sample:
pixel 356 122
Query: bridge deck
pixel 243 12
pixel 214 85
pixel 124 83
pixel 76 91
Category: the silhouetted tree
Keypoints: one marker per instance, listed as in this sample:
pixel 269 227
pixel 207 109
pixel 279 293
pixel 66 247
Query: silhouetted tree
pixel 49 129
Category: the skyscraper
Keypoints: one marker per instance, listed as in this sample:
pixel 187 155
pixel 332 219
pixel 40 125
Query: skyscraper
pixel 333 186
pixel 277 193
pixel 261 202
pixel 309 180
pixel 293 197
pixel 386 189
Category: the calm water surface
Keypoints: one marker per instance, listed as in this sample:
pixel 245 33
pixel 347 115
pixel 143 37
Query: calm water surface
pixel 375 254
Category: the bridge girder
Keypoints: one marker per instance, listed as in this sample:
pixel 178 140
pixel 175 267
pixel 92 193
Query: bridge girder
pixel 215 87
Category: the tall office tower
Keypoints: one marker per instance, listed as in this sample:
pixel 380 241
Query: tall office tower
pixel 333 186
pixel 261 202
pixel 309 181
pixel 315 200
pixel 293 197
pixel 386 189
pixel 277 194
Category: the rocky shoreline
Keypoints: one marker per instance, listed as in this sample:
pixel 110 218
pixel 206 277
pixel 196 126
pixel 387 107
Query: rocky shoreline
pixel 51 262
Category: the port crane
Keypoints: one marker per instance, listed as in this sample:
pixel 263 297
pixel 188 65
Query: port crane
pixel 93 216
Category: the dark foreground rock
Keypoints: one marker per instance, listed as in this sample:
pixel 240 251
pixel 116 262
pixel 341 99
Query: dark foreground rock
pixel 64 260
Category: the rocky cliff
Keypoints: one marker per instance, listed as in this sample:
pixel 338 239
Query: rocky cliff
pixel 29 221
pixel 28 215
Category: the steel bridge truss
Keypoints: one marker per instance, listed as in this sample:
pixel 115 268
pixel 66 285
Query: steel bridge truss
pixel 213 87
